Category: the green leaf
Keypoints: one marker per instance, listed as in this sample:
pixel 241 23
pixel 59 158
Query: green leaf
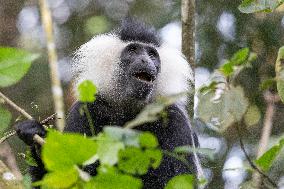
pixel 227 69
pixel 14 64
pixel 240 57
pixel 219 111
pixel 253 6
pixel 133 160
pixel 87 91
pixel 207 88
pixel 59 179
pixel 113 181
pixel 238 60
pixel 279 69
pixel 252 116
pixel 266 160
pixel 108 149
pixel 189 149
pixel 148 140
pixel 64 151
pixel 184 181
pixel 5 118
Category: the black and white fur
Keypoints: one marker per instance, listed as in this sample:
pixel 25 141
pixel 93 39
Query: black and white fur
pixel 101 61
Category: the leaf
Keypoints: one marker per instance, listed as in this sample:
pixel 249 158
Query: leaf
pixel 266 160
pixel 184 181
pixel 133 160
pixel 207 88
pixel 227 69
pixel 5 118
pixel 59 179
pixel 220 110
pixel 108 149
pixel 14 64
pixel 253 6
pixel 240 57
pixel 148 140
pixel 64 151
pixel 238 60
pixel 189 149
pixel 153 111
pixel 252 116
pixel 129 137
pixel 87 91
pixel 114 181
pixel 279 69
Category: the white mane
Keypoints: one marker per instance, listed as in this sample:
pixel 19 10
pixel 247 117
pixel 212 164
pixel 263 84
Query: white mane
pixel 97 60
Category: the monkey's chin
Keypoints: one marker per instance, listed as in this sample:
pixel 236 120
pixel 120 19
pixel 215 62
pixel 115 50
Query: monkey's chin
pixel 141 90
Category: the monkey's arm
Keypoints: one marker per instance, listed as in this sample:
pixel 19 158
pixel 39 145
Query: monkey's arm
pixel 27 129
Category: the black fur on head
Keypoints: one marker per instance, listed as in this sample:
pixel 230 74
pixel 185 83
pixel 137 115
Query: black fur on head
pixel 134 30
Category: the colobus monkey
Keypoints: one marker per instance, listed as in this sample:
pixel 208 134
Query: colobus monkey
pixel 131 68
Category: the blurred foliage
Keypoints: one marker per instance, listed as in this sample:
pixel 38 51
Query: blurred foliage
pixel 253 6
pixel 14 64
pixel 279 69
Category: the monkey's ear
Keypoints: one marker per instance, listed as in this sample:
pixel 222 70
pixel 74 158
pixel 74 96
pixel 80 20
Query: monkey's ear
pixel 27 129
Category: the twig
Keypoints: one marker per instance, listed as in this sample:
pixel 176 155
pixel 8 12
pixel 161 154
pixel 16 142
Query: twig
pixel 251 162
pixel 46 120
pixel 7 135
pixel 57 91
pixel 12 104
pixel 36 138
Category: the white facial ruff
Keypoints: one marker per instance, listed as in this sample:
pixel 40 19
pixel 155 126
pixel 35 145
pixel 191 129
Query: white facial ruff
pixel 97 60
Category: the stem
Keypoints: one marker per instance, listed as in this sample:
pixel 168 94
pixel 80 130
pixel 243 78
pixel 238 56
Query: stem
pixel 57 91
pixel 90 120
pixel 251 162
pixel 36 138
pixel 266 131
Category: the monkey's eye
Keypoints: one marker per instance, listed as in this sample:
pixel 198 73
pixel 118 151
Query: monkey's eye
pixel 132 49
pixel 152 54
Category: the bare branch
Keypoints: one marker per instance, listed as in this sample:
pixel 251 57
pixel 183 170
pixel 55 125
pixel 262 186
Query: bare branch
pixel 36 138
pixel 266 130
pixel 57 91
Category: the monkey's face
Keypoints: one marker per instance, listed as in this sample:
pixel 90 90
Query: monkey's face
pixel 140 65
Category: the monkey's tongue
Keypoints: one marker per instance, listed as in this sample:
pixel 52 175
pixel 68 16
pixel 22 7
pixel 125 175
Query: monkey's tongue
pixel 144 76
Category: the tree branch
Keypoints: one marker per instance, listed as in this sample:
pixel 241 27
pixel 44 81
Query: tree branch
pixel 266 130
pixel 188 30
pixel 36 138
pixel 57 91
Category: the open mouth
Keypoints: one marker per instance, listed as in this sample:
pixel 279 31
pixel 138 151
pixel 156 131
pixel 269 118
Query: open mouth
pixel 144 76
